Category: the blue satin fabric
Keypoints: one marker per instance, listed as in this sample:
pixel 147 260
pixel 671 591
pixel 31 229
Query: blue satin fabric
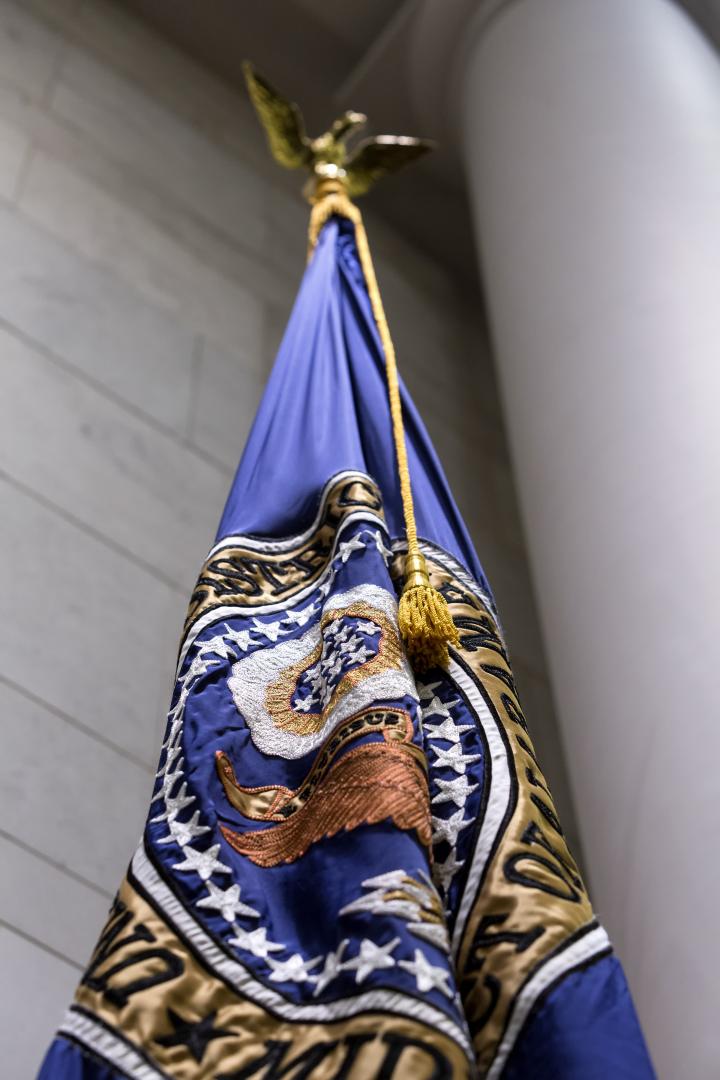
pixel 66 1061
pixel 585 1028
pixel 326 409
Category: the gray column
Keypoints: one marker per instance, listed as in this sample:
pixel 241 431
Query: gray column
pixel 591 134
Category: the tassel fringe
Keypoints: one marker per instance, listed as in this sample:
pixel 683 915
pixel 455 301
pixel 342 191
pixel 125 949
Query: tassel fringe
pixel 426 627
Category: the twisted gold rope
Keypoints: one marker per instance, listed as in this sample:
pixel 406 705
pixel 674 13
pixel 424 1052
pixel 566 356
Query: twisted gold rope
pixel 424 617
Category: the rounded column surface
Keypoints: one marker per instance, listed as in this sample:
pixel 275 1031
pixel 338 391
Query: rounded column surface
pixel 592 140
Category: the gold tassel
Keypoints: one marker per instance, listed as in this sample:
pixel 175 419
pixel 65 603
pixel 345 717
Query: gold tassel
pixel 425 622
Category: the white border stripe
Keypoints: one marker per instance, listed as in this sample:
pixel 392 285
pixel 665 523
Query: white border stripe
pixel 578 953
pixel 215 614
pixel 264 544
pixel 498 795
pixel 116 1052
pixel 241 979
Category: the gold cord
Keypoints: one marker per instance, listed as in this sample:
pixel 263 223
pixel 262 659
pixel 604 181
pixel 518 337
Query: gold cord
pixel 424 617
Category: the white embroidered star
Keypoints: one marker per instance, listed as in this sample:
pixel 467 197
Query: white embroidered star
pixel 427 690
pixel 359 654
pixel 293 970
pixel 299 618
pixel 173 775
pixel 448 730
pixel 347 547
pixel 182 832
pixel 255 942
pixel 227 902
pixel 453 758
pixel 449 828
pixel 372 957
pixel 204 863
pixel 216 646
pixel 455 790
pixel 427 976
pixel 385 552
pixel 435 933
pixel 366 626
pixel 241 638
pixel 270 630
pixel 174 804
pixel 173 750
pixel 175 718
pixel 332 665
pixel 376 903
pixel 198 667
pixel 444 872
pixel 438 708
pixel 333 966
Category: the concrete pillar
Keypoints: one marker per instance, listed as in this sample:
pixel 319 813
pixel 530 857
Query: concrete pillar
pixel 591 135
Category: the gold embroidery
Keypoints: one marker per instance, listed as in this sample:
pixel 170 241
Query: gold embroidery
pixel 532 898
pixel 247 577
pixel 141 970
pixel 279 694
pixel 372 783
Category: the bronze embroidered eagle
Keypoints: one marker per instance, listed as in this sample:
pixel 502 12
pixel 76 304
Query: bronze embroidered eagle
pixel 328 155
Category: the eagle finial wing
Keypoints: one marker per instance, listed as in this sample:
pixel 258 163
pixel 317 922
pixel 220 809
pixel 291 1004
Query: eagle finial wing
pixel 376 157
pixel 281 119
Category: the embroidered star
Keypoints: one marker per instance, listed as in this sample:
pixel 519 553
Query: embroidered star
pixel 173 773
pixel 174 804
pixel 427 690
pixel 195 1034
pixel 270 630
pixel 371 958
pixel 182 832
pixel 227 902
pixel 377 903
pixel 444 872
pixel 293 970
pixel 439 708
pixel 453 758
pixel 241 638
pixel 333 966
pixel 173 750
pixel 255 942
pixel 216 646
pixel 175 718
pixel 449 828
pixel 385 552
pixel 448 730
pixel 427 976
pixel 359 655
pixel 347 547
pixel 455 790
pixel 299 618
pixel 199 666
pixel 203 863
pixel 435 933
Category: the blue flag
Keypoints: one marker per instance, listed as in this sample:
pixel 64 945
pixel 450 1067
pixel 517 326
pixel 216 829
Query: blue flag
pixel 348 871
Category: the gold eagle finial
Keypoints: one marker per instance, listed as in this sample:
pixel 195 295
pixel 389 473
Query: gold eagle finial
pixel 328 157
